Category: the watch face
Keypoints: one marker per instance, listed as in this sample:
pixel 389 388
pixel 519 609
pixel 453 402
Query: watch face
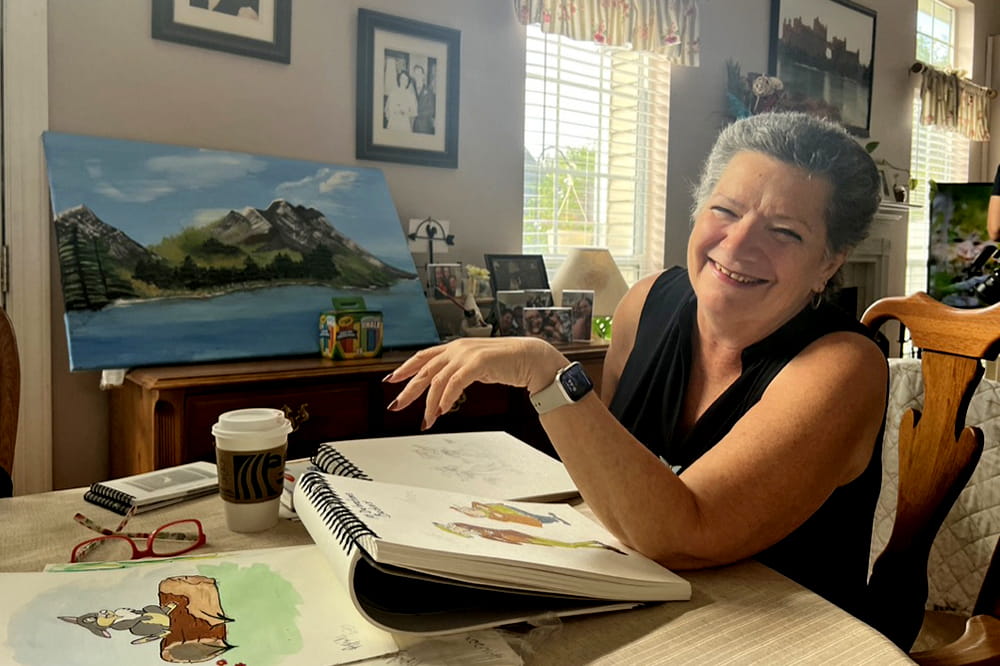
pixel 575 381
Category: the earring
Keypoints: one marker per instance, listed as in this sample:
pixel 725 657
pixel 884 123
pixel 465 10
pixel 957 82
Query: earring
pixel 817 300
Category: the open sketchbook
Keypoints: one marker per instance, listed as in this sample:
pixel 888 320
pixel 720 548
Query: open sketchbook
pixel 492 463
pixel 262 607
pixel 418 560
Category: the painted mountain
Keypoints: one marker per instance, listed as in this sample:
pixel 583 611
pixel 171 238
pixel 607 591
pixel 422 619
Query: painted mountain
pixel 165 256
pixel 282 244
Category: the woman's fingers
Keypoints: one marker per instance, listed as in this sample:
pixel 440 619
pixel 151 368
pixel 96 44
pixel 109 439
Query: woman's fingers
pixel 445 388
pixel 418 373
pixel 446 370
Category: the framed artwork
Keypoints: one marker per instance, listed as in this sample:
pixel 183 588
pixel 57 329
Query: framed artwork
pixel 823 51
pixel 962 263
pixel 516 271
pixel 175 254
pixel 255 28
pixel 407 86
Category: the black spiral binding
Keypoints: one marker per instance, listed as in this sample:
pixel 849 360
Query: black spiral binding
pixel 116 495
pixel 332 461
pixel 110 503
pixel 341 521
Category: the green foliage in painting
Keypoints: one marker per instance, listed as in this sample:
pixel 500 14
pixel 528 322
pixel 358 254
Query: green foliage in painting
pixel 91 279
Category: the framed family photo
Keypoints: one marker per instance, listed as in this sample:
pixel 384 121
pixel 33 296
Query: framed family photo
pixel 255 28
pixel 823 51
pixel 407 86
pixel 444 280
pixel 516 271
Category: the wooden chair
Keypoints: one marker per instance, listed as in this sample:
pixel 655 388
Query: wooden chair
pixel 937 455
pixel 10 400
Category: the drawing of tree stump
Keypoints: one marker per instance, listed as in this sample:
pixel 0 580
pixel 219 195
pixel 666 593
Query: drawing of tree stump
pixel 197 624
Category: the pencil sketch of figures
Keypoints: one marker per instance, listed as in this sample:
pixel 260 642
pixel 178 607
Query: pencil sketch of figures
pixel 466 463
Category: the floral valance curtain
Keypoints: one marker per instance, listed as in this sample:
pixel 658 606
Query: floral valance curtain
pixel 951 102
pixel 664 27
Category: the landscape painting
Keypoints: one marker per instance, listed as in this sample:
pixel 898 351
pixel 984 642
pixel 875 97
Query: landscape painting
pixel 173 254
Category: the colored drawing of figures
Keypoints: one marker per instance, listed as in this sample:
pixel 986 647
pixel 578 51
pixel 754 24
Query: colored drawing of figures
pixel 198 632
pixel 149 624
pixel 508 514
pixel 188 621
pixel 519 538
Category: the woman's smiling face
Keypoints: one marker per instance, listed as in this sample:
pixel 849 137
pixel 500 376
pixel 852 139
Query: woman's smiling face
pixel 758 249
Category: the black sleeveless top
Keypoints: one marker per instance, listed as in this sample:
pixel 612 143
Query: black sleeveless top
pixel 829 552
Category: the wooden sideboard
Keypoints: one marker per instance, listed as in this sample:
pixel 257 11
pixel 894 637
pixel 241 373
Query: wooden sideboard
pixel 163 416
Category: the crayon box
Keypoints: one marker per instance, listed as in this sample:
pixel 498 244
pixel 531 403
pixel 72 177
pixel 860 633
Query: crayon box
pixel 350 330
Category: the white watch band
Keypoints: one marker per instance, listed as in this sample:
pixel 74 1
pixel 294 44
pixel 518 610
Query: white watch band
pixel 550 397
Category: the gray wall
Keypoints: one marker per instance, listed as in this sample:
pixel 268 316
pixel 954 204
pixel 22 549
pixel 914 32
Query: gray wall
pixel 107 77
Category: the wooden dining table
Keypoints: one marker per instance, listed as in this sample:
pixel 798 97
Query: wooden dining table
pixel 743 613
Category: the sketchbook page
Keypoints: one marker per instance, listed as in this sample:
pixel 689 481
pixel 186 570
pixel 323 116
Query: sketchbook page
pixel 274 607
pixel 525 545
pixel 191 479
pixel 333 532
pixel 492 463
pixel 403 601
pixel 477 648
pixel 293 470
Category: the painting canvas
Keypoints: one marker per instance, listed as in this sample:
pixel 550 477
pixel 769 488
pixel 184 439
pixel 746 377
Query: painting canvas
pixel 174 254
pixel 961 257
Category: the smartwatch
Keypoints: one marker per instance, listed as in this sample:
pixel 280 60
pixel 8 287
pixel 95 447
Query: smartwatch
pixel 571 384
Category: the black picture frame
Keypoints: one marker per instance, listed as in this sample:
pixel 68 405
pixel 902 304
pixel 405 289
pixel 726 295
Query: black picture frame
pixel 218 29
pixel 824 53
pixel 516 271
pixel 388 127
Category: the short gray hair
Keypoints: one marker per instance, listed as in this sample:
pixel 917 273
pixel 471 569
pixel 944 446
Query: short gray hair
pixel 818 147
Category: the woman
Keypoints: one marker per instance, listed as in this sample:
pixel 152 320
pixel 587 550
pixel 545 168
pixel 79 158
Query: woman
pixel 401 104
pixel 993 210
pixel 764 401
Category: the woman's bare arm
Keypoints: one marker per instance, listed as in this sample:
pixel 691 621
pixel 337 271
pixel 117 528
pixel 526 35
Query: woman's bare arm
pixel 811 432
pixel 993 218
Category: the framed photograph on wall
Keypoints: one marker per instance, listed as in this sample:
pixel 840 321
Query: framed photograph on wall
pixel 407 104
pixel 516 271
pixel 255 28
pixel 823 51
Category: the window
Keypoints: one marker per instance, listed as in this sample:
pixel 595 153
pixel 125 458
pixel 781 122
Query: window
pixel 595 152
pixel 935 154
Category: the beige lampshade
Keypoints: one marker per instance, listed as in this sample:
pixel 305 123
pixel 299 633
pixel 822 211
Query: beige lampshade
pixel 591 268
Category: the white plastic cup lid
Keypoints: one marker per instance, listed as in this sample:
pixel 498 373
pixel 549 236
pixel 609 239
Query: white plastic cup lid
pixel 253 421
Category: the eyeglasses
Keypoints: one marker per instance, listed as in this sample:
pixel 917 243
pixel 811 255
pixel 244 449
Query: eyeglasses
pixel 176 538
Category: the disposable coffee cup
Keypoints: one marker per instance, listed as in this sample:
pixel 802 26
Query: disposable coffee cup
pixel 250 449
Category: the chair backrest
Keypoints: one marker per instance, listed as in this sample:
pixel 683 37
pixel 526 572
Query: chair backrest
pixel 10 401
pixel 937 452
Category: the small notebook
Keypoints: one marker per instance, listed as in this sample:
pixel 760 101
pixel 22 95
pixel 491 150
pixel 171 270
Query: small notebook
pixel 423 561
pixel 492 463
pixel 152 490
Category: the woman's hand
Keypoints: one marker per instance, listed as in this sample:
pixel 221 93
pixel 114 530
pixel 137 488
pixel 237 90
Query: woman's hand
pixel 445 370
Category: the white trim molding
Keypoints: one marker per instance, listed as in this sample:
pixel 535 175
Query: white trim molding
pixel 27 228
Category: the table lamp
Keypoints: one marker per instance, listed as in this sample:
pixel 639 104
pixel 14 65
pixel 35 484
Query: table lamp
pixel 592 268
